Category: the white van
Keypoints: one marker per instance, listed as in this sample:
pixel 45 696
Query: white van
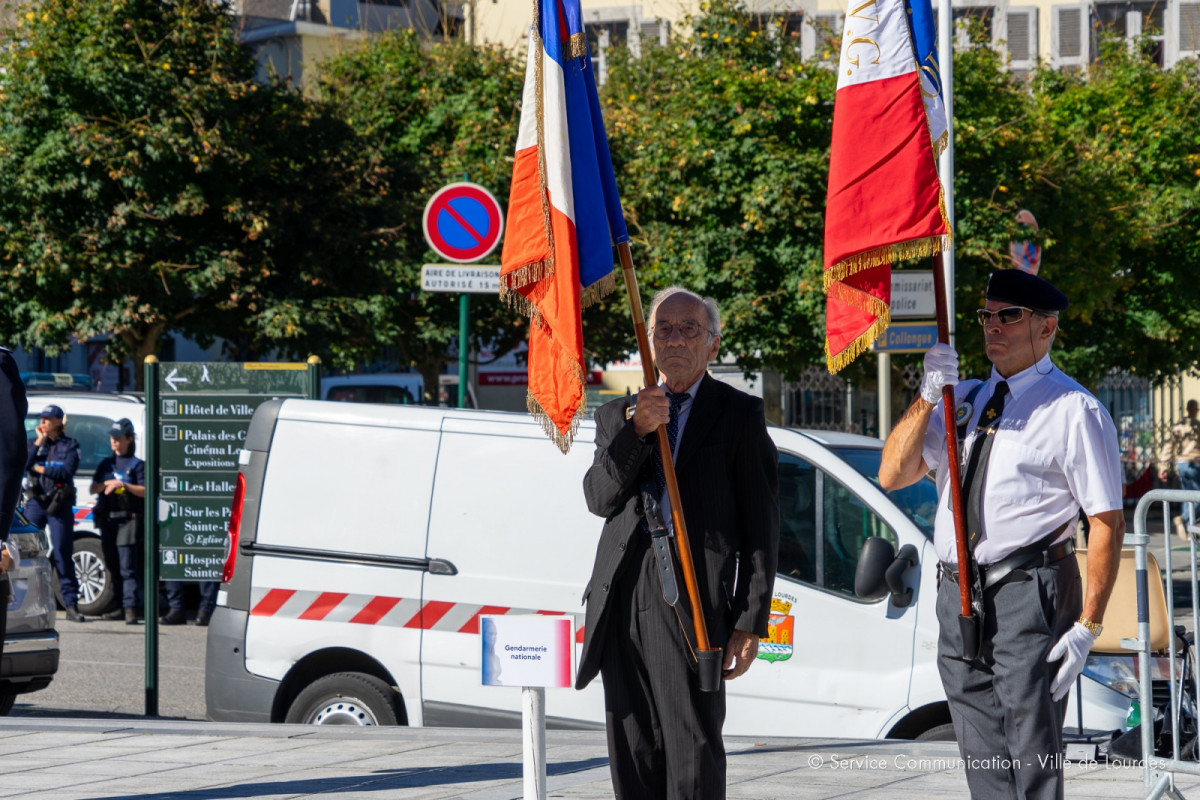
pixel 367 541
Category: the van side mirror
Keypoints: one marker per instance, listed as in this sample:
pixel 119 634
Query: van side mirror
pixel 881 571
pixel 870 574
pixel 906 559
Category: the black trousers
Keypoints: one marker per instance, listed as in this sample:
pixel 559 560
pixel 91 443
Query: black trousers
pixel 664 734
pixel 1009 730
pixel 4 589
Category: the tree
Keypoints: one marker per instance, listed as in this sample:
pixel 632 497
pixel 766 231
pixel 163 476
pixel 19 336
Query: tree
pixel 149 185
pixel 428 115
pixel 721 144
pixel 1107 162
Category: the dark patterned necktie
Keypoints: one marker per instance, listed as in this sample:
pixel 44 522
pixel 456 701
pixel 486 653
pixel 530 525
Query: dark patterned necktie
pixel 989 421
pixel 676 400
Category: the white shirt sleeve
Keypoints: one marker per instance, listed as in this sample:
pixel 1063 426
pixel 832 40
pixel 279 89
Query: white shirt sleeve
pixel 1093 468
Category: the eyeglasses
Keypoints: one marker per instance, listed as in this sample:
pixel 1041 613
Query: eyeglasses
pixel 689 329
pixel 1006 316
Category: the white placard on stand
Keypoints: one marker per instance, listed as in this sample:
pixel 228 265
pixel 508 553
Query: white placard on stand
pixel 533 651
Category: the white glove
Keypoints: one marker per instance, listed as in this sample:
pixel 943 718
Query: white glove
pixel 941 369
pixel 1073 649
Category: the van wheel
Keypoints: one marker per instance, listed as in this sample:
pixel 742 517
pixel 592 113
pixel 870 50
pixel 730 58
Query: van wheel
pixel 6 703
pixel 346 698
pixel 938 733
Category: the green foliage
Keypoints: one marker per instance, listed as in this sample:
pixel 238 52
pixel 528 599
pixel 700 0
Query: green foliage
pixel 149 185
pixel 721 145
pixel 428 116
pixel 1108 163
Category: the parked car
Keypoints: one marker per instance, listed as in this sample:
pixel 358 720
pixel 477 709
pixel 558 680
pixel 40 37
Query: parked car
pixel 30 656
pixel 89 419
pixel 361 588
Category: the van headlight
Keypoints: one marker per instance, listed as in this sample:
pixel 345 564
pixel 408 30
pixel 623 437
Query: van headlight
pixel 1120 673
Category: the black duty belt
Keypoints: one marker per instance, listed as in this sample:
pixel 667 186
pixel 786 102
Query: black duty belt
pixel 1025 558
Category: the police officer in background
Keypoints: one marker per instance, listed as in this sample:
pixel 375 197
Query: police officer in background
pixel 13 407
pixel 120 483
pixel 1037 449
pixel 51 462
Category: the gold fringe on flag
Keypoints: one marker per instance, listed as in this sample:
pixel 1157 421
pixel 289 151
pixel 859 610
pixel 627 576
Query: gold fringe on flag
pixel 598 291
pixel 864 302
pixel 562 441
pixel 940 145
pixel 888 254
pixel 544 195
pixel 577 45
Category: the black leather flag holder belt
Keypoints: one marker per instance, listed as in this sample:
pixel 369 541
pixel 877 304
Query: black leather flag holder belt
pixel 660 542
pixel 1026 558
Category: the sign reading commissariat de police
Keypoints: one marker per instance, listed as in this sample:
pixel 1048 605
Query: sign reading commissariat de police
pixel 203 415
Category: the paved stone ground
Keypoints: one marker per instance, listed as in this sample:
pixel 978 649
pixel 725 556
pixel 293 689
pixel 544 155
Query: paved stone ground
pixel 69 759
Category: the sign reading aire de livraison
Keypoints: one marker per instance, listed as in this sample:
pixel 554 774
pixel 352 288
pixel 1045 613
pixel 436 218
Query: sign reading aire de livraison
pixel 912 294
pixel 474 279
pixel 205 410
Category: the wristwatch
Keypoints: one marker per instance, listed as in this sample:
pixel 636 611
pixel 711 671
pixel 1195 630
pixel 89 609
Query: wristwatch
pixel 1093 627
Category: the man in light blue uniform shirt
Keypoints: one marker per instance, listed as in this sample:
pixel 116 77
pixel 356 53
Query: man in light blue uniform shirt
pixel 1039 448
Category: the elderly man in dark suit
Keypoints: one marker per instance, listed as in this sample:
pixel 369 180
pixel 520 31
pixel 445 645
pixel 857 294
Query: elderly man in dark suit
pixel 664 734
pixel 13 406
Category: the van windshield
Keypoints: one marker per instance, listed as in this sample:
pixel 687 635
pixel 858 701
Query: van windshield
pixel 918 501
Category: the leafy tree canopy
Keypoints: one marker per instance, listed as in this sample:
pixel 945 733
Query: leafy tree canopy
pixel 149 185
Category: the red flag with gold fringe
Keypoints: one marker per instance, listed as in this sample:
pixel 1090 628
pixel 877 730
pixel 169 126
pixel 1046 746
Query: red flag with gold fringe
pixel 884 200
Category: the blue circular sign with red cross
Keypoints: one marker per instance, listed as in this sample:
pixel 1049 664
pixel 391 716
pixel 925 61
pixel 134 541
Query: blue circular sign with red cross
pixel 463 222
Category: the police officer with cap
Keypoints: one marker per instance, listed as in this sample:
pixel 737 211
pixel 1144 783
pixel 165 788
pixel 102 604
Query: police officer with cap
pixel 51 460
pixel 120 484
pixel 1036 448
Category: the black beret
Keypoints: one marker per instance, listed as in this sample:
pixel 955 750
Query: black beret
pixel 1022 289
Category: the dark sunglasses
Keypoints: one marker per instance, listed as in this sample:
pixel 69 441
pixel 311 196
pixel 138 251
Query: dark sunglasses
pixel 1007 316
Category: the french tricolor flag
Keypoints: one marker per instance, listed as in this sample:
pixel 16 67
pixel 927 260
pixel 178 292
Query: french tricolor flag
pixel 564 214
pixel 884 201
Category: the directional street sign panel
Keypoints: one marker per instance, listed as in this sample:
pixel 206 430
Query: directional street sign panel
pixel 203 415
pixel 912 294
pixel 907 337
pixel 463 222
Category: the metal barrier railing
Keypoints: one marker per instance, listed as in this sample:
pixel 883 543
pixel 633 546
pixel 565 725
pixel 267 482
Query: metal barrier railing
pixel 1159 773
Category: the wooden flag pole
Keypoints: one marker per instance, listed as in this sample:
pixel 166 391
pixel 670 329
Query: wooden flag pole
pixel 664 449
pixel 956 498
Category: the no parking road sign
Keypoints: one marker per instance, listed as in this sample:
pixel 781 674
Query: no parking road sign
pixel 463 222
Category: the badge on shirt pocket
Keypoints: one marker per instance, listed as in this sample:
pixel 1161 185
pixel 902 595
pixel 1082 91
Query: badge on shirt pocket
pixel 963 412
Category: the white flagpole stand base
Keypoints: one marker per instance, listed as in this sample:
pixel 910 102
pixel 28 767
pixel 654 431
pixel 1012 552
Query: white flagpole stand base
pixel 533 725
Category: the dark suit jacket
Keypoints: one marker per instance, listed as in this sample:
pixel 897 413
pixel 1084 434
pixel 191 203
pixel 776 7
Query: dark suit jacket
pixel 728 482
pixel 13 406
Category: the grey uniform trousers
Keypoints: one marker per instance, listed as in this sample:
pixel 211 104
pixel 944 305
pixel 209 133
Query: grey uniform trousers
pixel 1009 731
pixel 664 734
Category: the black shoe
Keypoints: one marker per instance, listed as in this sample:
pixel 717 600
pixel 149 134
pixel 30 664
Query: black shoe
pixel 131 616
pixel 74 615
pixel 173 617
pixel 116 613
pixel 202 618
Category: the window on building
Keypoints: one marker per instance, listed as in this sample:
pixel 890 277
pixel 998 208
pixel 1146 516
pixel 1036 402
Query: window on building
pixel 1020 38
pixel 620 26
pixel 1136 20
pixel 1068 36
